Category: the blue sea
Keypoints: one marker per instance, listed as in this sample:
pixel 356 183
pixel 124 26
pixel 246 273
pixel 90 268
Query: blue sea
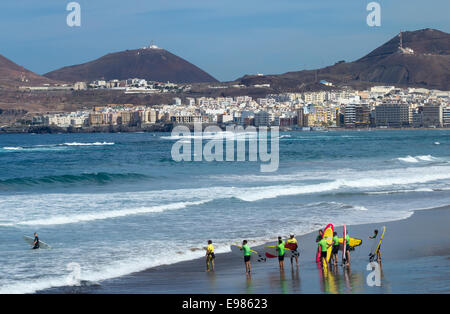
pixel 115 204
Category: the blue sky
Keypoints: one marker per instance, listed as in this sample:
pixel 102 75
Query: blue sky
pixel 226 38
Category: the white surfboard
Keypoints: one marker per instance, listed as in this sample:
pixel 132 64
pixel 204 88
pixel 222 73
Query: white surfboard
pixel 42 245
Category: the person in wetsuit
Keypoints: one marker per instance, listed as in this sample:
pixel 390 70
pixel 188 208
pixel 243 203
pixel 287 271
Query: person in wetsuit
pixel 281 250
pixel 36 242
pixel 210 256
pixel 378 252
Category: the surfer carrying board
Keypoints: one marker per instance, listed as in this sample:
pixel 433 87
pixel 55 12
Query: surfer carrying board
pixel 319 237
pixel 281 250
pixel 36 242
pixel 375 235
pixel 247 254
pixel 335 250
pixel 210 257
pixel 293 246
pixel 323 247
pixel 347 248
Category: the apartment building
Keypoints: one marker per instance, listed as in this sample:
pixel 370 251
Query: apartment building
pixel 393 115
pixel 432 116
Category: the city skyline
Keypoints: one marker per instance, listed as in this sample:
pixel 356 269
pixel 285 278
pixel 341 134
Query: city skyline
pixel 240 38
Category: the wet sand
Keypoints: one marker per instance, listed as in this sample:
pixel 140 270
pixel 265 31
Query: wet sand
pixel 415 251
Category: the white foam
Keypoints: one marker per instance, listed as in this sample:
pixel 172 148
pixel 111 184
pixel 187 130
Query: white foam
pixel 382 179
pixel 362 208
pixel 416 159
pixel 71 219
pixel 408 159
pixel 71 208
pixel 55 146
pixel 426 158
pixel 212 136
pixel 402 191
pixel 88 144
pixel 113 270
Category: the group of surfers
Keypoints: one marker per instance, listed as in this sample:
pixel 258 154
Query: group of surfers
pixel 293 246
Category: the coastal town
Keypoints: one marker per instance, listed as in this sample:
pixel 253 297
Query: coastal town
pixel 377 107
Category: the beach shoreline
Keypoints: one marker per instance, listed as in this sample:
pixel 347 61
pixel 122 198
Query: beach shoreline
pixel 168 127
pixel 410 252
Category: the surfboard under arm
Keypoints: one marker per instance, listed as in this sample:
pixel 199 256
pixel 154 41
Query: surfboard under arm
pixel 42 245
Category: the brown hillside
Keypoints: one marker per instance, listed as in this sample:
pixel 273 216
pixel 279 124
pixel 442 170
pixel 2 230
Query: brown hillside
pixel 428 66
pixel 150 64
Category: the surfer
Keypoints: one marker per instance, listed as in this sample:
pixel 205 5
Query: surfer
pixel 35 242
pixel 210 257
pixel 335 250
pixel 323 246
pixel 347 249
pixel 293 246
pixel 320 236
pixel 247 253
pixel 375 234
pixel 280 250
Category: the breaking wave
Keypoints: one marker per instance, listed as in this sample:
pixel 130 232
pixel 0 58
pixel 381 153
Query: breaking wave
pixel 96 178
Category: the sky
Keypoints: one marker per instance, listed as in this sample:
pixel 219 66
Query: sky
pixel 227 39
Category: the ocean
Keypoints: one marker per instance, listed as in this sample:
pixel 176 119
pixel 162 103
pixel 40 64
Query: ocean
pixel 114 204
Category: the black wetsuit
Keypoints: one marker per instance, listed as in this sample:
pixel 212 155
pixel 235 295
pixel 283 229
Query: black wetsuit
pixel 36 241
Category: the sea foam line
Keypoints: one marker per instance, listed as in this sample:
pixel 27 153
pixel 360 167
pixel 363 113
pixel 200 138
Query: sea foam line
pixel 416 159
pixel 63 220
pixel 256 194
pixel 37 147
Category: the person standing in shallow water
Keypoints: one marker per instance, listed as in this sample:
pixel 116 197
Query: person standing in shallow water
pixel 319 237
pixel 36 242
pixel 247 255
pixel 335 250
pixel 281 250
pixel 210 257
pixel 323 246
pixel 292 241
pixel 375 234
pixel 347 249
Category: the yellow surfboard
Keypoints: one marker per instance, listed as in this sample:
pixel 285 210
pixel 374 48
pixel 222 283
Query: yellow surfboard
pixel 353 242
pixel 373 253
pixel 381 239
pixel 328 236
pixel 235 247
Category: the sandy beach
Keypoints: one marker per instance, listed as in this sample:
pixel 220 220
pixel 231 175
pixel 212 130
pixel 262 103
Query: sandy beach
pixel 416 255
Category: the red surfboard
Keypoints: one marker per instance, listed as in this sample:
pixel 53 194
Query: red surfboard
pixel 291 246
pixel 344 246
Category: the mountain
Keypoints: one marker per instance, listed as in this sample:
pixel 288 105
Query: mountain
pixel 418 58
pixel 13 75
pixel 152 64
